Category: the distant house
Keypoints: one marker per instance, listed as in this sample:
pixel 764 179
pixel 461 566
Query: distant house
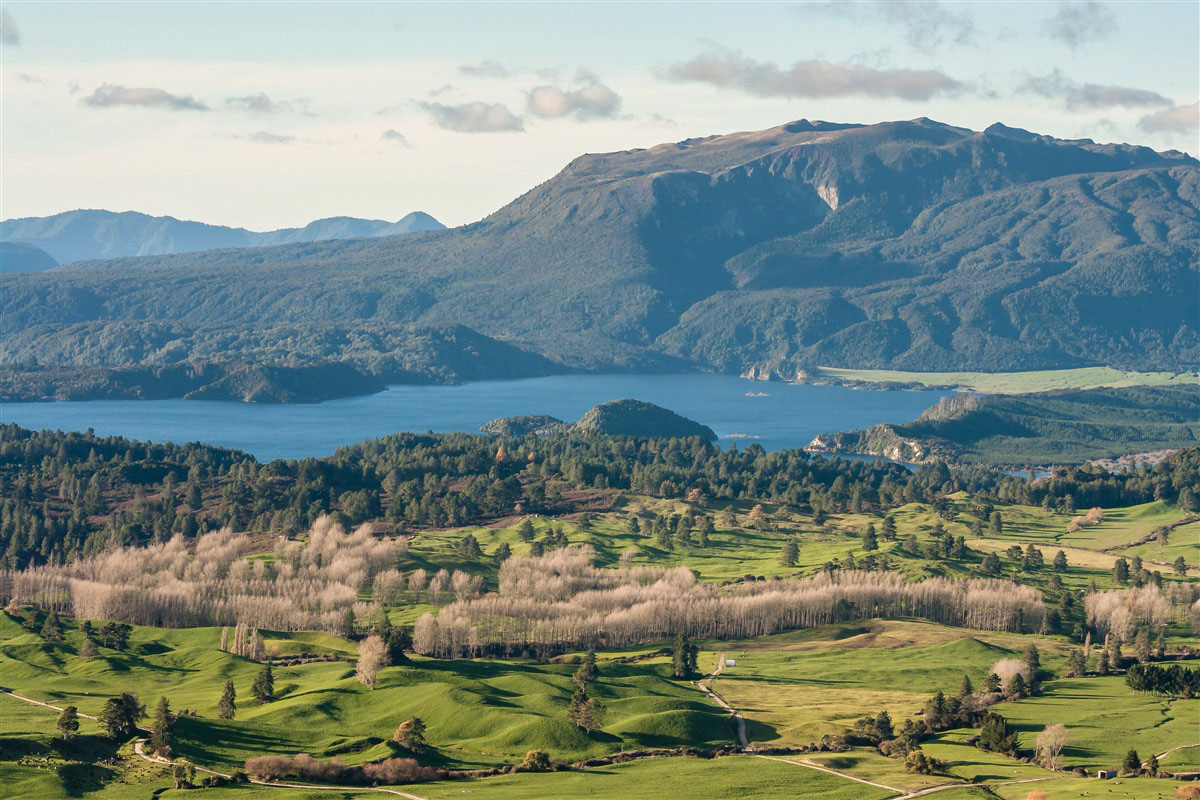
pixel 1106 774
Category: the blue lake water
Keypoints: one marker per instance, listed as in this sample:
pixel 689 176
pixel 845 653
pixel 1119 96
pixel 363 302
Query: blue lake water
pixel 789 416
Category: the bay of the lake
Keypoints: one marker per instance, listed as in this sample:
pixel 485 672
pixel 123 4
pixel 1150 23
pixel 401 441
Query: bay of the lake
pixel 780 416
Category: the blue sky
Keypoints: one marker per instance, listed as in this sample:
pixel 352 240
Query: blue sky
pixel 275 113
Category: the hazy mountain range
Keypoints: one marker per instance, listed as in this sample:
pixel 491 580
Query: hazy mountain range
pixel 906 245
pixel 90 234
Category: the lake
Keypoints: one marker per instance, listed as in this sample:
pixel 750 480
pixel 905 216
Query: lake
pixel 788 416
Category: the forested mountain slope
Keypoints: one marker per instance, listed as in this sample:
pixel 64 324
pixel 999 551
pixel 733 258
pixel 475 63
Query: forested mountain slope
pixel 907 245
pixel 92 233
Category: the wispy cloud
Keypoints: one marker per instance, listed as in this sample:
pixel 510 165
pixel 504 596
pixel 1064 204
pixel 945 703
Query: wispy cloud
pixel 1177 119
pixel 110 95
pixel 474 117
pixel 926 25
pixel 1077 24
pixel 485 69
pixel 266 137
pixel 1075 95
pixel 395 136
pixel 10 32
pixel 593 100
pixel 729 69
pixel 260 103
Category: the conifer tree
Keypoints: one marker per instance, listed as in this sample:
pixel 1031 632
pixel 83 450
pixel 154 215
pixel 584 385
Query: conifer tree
pixel 68 723
pixel 227 705
pixel 263 689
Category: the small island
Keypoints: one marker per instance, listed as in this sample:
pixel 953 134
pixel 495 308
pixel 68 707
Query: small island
pixel 625 417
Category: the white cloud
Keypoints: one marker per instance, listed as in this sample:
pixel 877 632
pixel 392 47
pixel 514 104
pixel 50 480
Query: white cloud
pixel 260 103
pixel 109 95
pixel 485 69
pixel 925 24
pixel 729 69
pixel 1075 95
pixel 266 137
pixel 1076 24
pixel 10 32
pixel 591 101
pixel 474 117
pixel 395 136
pixel 1177 119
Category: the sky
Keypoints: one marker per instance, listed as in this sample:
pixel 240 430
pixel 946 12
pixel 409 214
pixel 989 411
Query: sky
pixel 272 114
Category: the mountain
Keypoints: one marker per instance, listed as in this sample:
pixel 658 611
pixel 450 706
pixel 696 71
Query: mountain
pixel 1062 427
pixel 17 257
pixel 909 245
pixel 91 234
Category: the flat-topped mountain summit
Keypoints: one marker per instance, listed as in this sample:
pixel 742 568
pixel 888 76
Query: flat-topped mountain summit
pixel 910 245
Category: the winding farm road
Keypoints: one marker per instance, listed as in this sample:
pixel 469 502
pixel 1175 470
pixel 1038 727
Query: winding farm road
pixel 705 685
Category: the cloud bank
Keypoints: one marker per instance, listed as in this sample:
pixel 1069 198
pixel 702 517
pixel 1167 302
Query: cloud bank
pixel 474 117
pixel 729 69
pixel 260 103
pixel 110 96
pixel 1074 95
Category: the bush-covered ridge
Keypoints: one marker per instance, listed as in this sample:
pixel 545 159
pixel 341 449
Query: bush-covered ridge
pixel 904 245
pixel 1058 427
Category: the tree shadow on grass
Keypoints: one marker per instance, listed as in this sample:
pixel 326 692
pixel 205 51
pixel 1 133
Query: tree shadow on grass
pixel 80 779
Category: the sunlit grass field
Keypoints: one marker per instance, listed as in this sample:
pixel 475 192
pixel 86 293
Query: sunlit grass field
pixel 1013 382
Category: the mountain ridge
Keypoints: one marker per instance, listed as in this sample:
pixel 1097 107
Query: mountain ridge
pixel 907 245
pixel 87 234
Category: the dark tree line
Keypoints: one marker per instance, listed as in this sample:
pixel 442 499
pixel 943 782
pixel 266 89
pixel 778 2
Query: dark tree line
pixel 67 495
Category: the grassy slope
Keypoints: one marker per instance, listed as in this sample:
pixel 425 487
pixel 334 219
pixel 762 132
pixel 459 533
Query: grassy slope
pixel 734 778
pixel 1012 382
pixel 738 550
pixel 478 712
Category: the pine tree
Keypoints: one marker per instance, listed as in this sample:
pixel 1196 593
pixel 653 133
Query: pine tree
pixel 1076 663
pixel 1121 571
pixel 411 734
pixel 1141 645
pixel 227 705
pixel 1132 764
pixel 52 629
pixel 790 552
pixel 121 714
pixel 503 553
pixel 88 650
pixel 263 689
pixel 160 738
pixel 68 723
pixel 1060 561
pixel 870 541
pixel 586 674
pixel 683 656
pixel 1180 566
pixel 965 688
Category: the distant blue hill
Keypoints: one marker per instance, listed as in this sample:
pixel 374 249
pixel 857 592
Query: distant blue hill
pixel 17 257
pixel 88 234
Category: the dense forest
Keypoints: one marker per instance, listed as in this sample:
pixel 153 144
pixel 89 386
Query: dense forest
pixel 68 495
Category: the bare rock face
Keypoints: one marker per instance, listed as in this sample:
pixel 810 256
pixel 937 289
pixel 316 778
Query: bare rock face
pixel 885 442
